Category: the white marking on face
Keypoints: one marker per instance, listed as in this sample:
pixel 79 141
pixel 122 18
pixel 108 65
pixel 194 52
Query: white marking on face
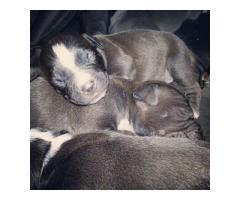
pixel 55 142
pixel 66 58
pixel 125 125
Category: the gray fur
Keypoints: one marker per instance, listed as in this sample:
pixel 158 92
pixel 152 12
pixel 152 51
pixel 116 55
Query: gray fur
pixel 52 111
pixel 162 110
pixel 161 20
pixel 109 160
pixel 171 116
pixel 140 56
pixel 144 55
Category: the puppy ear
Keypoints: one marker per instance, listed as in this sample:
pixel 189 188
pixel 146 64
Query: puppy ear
pixel 148 93
pixel 93 40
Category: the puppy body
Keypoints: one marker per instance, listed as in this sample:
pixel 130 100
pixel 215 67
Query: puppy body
pixel 163 20
pixel 52 111
pixel 144 55
pixel 154 108
pixel 109 160
pixel 162 110
pixel 139 55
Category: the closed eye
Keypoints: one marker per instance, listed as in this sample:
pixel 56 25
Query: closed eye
pixel 90 64
pixel 58 77
pixel 59 80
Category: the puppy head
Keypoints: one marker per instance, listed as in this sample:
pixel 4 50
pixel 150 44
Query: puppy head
pixel 76 66
pixel 161 110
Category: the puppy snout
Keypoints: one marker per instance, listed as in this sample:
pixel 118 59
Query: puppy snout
pixel 88 87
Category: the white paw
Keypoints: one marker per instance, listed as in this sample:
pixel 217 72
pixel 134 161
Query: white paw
pixel 195 115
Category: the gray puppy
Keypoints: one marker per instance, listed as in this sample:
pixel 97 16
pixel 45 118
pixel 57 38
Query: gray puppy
pixel 78 65
pixel 162 110
pixel 154 108
pixel 164 20
pixel 52 111
pixel 109 160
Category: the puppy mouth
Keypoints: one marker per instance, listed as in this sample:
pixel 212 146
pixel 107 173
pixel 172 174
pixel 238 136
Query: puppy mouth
pixel 82 99
pixel 94 99
pixel 90 98
pixel 98 96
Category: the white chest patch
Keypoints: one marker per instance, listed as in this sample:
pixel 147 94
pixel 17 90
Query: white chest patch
pixel 56 142
pixel 55 146
pixel 168 77
pixel 66 58
pixel 125 125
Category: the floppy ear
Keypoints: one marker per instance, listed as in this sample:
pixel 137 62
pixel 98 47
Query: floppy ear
pixel 148 93
pixel 94 41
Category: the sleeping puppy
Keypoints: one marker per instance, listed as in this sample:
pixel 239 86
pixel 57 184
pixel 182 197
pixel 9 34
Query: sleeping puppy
pixel 164 20
pixel 112 160
pixel 162 110
pixel 50 110
pixel 78 65
pixel 154 108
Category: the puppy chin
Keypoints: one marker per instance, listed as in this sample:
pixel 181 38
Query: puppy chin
pixel 98 97
pixel 95 96
pixel 88 101
pixel 78 103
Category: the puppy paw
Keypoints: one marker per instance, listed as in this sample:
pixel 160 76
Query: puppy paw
pixel 196 114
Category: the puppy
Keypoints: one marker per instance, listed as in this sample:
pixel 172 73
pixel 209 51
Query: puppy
pixel 162 110
pixel 154 108
pixel 163 20
pixel 50 110
pixel 112 160
pixel 78 65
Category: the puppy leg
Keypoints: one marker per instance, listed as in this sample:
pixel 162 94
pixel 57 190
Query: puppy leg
pixel 193 94
pixel 178 134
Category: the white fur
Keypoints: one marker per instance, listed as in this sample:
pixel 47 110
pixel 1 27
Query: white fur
pixel 100 97
pixel 161 132
pixel 36 134
pixel 66 58
pixel 124 124
pixel 164 114
pixel 56 142
pixel 168 77
pixel 195 114
pixel 55 146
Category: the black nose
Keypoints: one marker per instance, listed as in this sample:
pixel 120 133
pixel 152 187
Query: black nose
pixel 88 87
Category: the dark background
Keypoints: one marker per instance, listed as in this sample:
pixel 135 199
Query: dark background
pixel 195 32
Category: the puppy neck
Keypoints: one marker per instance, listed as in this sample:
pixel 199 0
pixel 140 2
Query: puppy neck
pixel 53 142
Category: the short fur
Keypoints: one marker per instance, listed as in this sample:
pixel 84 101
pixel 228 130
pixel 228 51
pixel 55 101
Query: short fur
pixel 118 108
pixel 163 20
pixel 140 55
pixel 162 110
pixel 52 111
pixel 109 160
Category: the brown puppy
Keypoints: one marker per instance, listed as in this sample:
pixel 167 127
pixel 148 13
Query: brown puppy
pixel 52 111
pixel 162 110
pixel 78 65
pixel 154 108
pixel 112 160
